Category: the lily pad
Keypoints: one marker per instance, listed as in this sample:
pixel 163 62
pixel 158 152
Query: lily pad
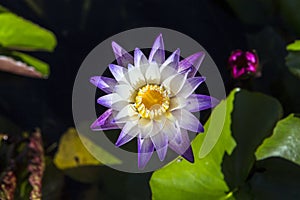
pixel 72 153
pixel 253 118
pixel 203 179
pixel 293 58
pixel 18 33
pixel 294 46
pixel 275 178
pixel 284 142
pixel 76 161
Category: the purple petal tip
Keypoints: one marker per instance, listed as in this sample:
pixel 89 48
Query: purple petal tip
pixel 200 129
pixel 188 155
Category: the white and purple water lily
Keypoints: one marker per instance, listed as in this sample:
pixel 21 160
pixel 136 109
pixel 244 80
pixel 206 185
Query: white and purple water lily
pixel 153 99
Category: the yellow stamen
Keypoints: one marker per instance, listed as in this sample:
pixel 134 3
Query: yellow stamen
pixel 152 101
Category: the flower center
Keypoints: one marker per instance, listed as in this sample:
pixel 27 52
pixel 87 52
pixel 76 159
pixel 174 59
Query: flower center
pixel 152 101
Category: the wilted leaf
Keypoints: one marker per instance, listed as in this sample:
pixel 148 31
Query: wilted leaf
pixel 17 67
pixel 203 179
pixel 284 142
pixel 72 153
pixel 38 65
pixel 18 33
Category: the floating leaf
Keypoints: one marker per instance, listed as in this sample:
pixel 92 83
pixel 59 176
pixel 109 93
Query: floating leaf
pixel 294 46
pixel 293 58
pixel 275 178
pixel 218 122
pixel 284 142
pixel 72 153
pixel 18 33
pixel 16 67
pixel 3 9
pixel 253 118
pixel 203 179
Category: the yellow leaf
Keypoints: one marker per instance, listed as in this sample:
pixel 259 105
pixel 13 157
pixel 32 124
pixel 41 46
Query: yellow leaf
pixel 72 153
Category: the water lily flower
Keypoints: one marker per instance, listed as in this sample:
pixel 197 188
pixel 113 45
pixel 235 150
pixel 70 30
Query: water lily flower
pixel 243 64
pixel 153 99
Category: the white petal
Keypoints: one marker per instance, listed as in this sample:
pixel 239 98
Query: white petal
pixel 172 60
pixel 166 73
pixel 157 127
pixel 177 103
pixel 190 86
pixel 131 128
pixel 125 91
pixel 188 121
pixel 136 77
pixel 145 126
pixel 139 58
pixel 160 142
pixel 126 114
pixel 129 131
pixel 172 130
pixel 153 74
pixel 118 72
pixel 157 53
pixel 175 83
pixel 169 67
pixel 113 101
pixel 130 66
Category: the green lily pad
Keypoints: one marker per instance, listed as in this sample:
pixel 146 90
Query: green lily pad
pixel 3 9
pixel 275 178
pixel 284 142
pixel 18 33
pixel 294 46
pixel 253 118
pixel 202 179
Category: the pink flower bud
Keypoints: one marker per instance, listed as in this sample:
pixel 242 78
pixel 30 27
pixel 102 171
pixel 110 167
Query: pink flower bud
pixel 243 64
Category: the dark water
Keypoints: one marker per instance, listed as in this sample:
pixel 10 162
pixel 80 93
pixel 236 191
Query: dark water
pixel 79 26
